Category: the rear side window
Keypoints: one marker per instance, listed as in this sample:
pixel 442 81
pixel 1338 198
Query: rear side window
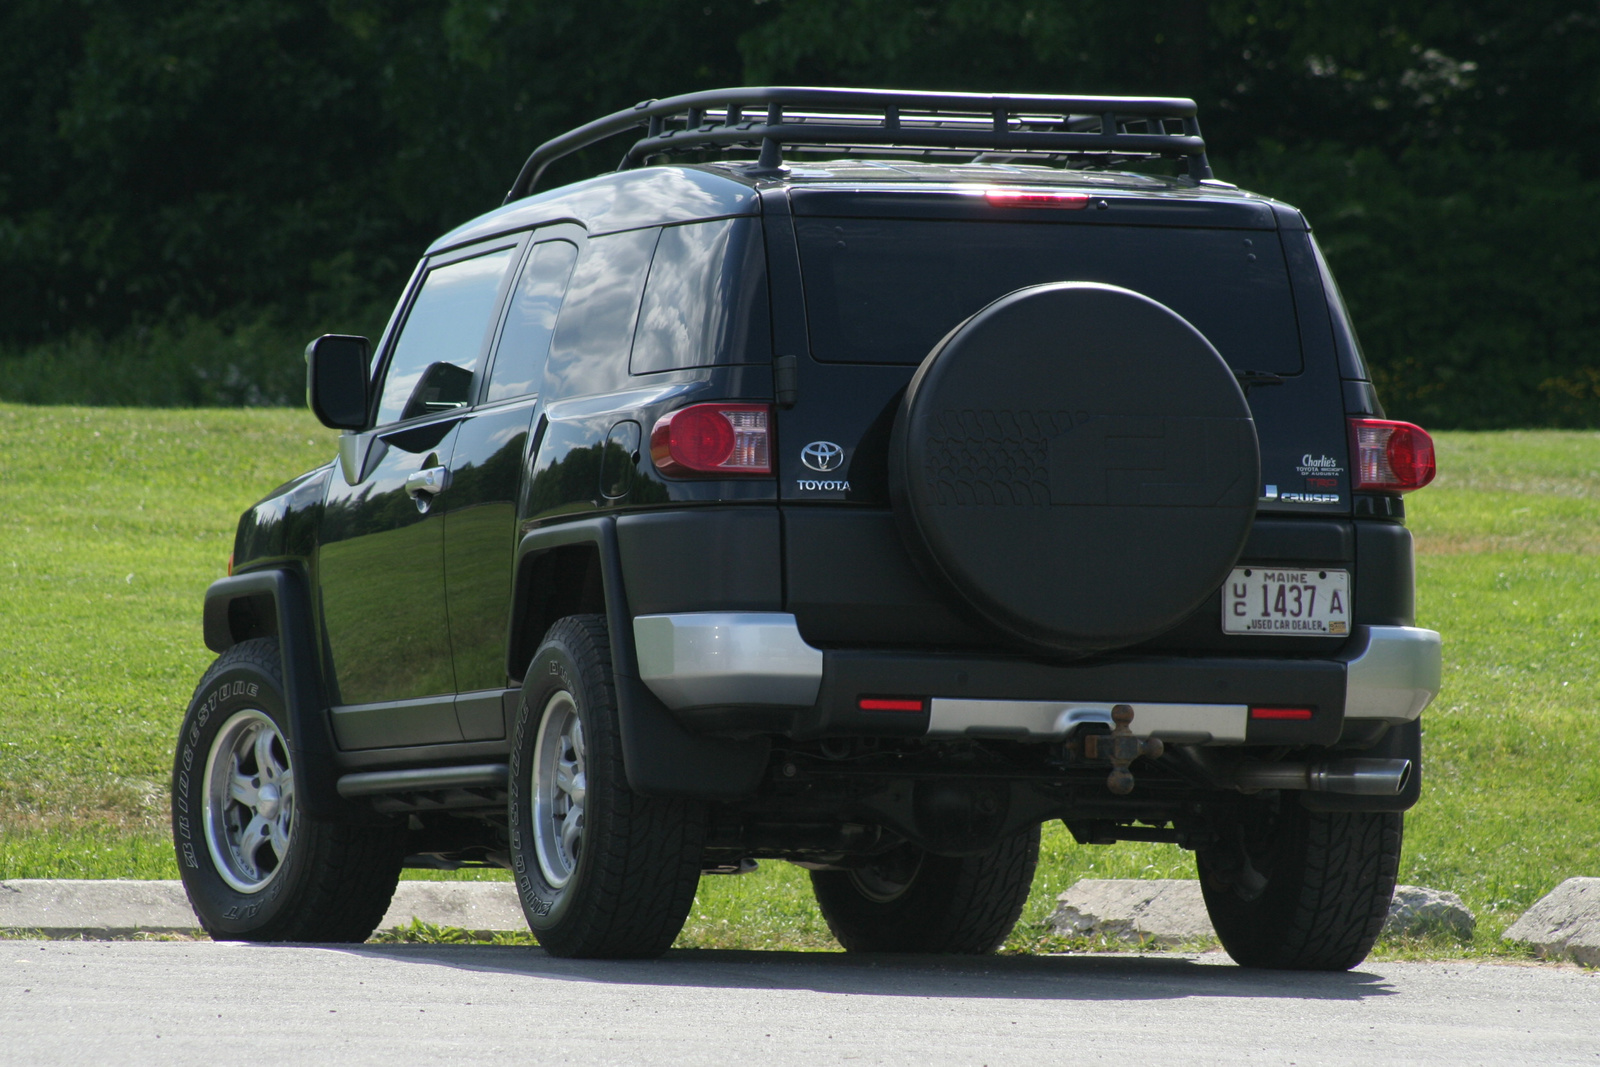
pixel 589 353
pixel 706 300
pixel 531 320
pixel 443 337
pixel 886 291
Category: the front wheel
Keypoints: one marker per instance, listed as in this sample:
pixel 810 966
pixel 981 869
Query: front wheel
pixel 255 866
pixel 909 900
pixel 601 870
pixel 1293 889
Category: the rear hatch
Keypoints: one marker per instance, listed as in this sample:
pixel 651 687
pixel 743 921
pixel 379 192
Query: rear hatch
pixel 884 271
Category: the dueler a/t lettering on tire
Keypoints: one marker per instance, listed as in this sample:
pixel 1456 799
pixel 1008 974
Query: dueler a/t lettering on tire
pixel 914 901
pixel 601 871
pixel 257 868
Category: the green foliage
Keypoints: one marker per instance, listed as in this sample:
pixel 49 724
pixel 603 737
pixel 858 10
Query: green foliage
pixel 226 171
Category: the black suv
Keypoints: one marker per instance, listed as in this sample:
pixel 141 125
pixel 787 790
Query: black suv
pixel 854 478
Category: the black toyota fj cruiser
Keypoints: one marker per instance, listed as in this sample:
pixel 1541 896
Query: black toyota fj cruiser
pixel 854 478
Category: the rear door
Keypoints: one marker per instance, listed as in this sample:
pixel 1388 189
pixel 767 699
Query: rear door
pixel 486 474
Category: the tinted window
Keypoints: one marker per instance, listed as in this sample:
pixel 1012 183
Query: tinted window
pixel 706 301
pixel 434 360
pixel 886 291
pixel 589 353
pixel 525 341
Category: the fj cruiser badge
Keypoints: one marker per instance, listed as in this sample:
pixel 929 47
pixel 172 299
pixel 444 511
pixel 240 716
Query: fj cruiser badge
pixel 822 456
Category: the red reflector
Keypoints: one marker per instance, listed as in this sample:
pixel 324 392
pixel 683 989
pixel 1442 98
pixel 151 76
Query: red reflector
pixel 890 704
pixel 713 439
pixel 1280 713
pixel 1390 455
pixel 1027 198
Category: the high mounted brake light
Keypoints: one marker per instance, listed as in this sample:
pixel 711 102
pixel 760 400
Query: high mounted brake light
pixel 1032 198
pixel 713 439
pixel 1395 456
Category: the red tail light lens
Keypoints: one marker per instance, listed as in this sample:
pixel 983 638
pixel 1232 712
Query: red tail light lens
pixel 1390 455
pixel 892 704
pixel 1030 198
pixel 713 439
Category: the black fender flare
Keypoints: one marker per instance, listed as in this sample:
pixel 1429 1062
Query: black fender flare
pixel 660 756
pixel 235 610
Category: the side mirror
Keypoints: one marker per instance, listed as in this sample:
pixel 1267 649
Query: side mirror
pixel 336 380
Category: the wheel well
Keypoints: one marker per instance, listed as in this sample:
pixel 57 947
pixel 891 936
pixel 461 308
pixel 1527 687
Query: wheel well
pixel 552 584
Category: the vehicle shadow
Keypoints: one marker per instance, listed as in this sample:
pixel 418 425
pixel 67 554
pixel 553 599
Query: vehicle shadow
pixel 1087 977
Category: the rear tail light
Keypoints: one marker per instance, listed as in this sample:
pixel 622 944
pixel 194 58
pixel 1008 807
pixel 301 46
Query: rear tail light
pixel 1281 714
pixel 892 704
pixel 713 439
pixel 1390 455
pixel 1031 198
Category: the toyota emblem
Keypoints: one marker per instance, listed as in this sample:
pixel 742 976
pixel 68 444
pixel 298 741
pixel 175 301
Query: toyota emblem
pixel 822 456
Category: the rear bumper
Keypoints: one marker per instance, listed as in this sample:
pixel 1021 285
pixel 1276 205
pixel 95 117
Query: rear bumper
pixel 752 673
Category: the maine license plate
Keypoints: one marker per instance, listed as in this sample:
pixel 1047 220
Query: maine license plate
pixel 1286 603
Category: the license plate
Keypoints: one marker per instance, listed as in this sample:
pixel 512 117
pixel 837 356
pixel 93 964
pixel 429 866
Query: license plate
pixel 1286 603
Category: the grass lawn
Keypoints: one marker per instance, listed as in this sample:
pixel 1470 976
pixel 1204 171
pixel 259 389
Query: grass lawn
pixel 116 520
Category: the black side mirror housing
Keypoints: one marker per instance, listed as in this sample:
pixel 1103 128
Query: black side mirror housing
pixel 336 380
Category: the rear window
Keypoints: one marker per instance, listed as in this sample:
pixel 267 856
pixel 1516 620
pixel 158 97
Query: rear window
pixel 706 300
pixel 886 291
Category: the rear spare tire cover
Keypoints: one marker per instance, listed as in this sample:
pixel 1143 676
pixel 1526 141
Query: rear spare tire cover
pixel 1078 463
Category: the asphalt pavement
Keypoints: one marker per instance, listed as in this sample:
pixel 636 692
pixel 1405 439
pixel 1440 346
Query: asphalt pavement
pixel 166 1003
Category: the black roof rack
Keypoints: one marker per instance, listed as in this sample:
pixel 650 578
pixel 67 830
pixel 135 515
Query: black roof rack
pixel 979 126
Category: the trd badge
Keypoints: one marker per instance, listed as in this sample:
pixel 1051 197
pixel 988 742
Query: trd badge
pixel 822 456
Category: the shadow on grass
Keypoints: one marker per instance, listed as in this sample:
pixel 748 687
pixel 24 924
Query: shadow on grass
pixel 1066 978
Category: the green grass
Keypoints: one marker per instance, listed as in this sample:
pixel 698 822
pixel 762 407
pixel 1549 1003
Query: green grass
pixel 115 520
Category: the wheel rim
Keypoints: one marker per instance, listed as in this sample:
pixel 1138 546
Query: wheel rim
pixel 889 878
pixel 249 813
pixel 560 787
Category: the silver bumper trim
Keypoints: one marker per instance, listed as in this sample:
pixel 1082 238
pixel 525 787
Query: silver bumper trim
pixel 1396 676
pixel 1178 723
pixel 706 659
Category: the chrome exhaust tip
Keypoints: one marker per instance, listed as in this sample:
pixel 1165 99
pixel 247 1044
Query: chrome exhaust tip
pixel 1355 777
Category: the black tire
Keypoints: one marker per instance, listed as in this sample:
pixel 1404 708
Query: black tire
pixel 306 879
pixel 1293 889
pixel 624 887
pixel 915 901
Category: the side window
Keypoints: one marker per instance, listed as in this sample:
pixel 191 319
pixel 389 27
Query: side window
pixel 706 301
pixel 589 353
pixel 525 341
pixel 437 354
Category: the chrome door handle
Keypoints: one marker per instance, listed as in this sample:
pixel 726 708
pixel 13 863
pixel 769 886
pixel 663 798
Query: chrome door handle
pixel 423 485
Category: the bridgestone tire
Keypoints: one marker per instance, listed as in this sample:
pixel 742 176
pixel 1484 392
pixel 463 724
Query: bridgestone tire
pixel 621 884
pixel 300 880
pixel 959 906
pixel 1317 890
pixel 1078 464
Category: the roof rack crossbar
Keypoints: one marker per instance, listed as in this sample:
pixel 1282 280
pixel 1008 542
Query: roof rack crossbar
pixel 889 121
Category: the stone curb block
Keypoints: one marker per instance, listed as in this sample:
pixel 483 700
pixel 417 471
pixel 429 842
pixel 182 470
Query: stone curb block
pixel 113 908
pixel 1167 912
pixel 1563 924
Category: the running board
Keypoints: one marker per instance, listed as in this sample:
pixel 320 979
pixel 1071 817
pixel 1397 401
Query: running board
pixel 423 780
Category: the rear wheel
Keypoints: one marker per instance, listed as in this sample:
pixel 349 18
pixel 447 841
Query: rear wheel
pixel 601 871
pixel 914 901
pixel 1294 889
pixel 257 867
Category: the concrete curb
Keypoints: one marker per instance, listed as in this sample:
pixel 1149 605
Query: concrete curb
pixel 114 908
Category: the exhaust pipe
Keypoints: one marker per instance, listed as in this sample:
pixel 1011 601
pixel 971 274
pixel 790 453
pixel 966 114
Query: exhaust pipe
pixel 1362 777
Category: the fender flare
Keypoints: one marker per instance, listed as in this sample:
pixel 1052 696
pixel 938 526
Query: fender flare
pixel 235 603
pixel 661 758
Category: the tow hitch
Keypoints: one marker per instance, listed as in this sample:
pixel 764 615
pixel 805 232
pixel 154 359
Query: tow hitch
pixel 1120 748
